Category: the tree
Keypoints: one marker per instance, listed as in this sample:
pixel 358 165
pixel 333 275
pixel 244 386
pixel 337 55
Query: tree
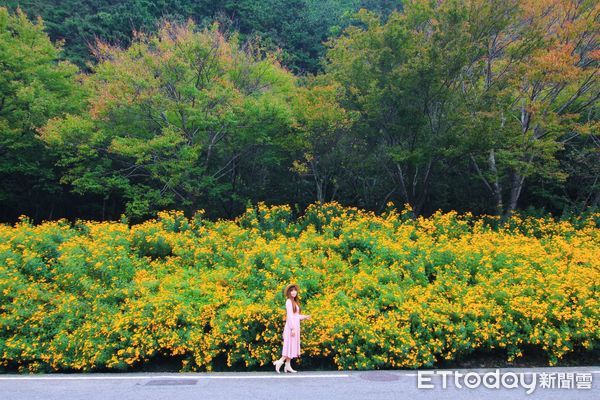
pixel 321 127
pixel 176 119
pixel 500 84
pixel 531 90
pixel 296 26
pixel 401 77
pixel 34 86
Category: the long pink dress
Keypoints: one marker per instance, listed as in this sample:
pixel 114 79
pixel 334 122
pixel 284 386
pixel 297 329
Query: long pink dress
pixel 291 344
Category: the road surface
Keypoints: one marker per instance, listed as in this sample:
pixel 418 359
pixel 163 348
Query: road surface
pixel 559 383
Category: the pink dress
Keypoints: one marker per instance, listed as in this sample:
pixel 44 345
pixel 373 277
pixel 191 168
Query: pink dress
pixel 291 344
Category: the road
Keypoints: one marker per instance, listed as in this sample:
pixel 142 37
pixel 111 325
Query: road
pixel 331 385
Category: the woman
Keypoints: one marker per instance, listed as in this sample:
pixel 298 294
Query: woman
pixel 291 331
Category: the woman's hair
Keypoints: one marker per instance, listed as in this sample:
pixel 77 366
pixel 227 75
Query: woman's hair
pixel 295 302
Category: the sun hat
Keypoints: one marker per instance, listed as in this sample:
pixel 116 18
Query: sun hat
pixel 287 288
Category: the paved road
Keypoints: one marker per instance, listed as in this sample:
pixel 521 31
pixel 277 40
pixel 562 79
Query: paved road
pixel 331 385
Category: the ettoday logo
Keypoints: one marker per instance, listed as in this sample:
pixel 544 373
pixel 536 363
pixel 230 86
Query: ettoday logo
pixel 508 380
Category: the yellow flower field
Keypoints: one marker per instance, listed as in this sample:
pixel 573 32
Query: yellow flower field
pixel 384 291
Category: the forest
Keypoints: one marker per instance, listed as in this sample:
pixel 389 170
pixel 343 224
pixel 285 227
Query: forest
pixel 124 109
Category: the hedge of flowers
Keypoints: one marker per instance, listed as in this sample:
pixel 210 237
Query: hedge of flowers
pixel 384 291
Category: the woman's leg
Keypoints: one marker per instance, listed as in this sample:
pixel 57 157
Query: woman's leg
pixel 288 365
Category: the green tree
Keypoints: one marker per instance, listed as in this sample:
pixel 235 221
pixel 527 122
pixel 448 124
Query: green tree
pixel 298 27
pixel 320 138
pixel 177 119
pixel 495 86
pixel 533 89
pixel 402 76
pixel 34 86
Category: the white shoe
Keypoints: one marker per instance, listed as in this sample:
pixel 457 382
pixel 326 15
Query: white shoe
pixel 288 367
pixel 277 365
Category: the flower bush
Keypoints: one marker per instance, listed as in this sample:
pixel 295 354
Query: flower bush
pixel 384 291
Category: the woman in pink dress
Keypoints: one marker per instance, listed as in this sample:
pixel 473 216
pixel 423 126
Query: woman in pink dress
pixel 291 331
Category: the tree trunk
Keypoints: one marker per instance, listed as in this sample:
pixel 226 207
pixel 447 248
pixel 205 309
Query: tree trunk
pixel 496 185
pixel 318 181
pixel 419 187
pixel 515 192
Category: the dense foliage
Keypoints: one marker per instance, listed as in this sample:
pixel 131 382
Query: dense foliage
pixel 170 115
pixel 298 27
pixel 466 105
pixel 383 291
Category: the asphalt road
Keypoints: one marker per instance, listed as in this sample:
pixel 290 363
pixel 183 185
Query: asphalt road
pixel 557 383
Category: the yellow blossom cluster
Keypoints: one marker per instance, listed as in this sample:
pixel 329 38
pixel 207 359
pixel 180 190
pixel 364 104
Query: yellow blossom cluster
pixel 384 291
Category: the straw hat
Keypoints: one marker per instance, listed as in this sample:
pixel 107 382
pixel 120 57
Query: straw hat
pixel 287 288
